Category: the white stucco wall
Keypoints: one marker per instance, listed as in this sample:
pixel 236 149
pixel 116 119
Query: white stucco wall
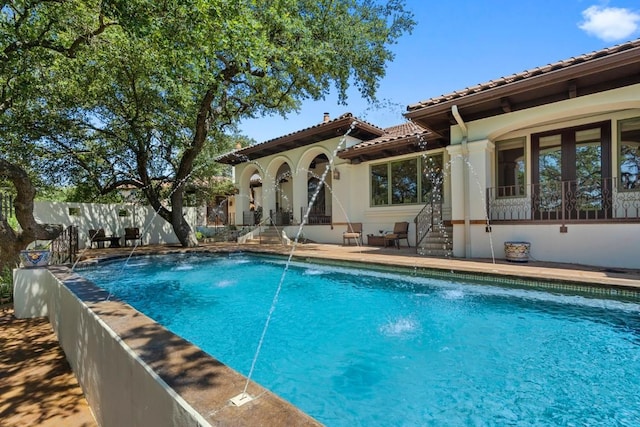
pixel 605 245
pixel 153 228
pixel 119 387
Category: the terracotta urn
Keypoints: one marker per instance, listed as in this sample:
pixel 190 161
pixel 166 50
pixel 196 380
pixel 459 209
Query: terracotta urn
pixel 517 251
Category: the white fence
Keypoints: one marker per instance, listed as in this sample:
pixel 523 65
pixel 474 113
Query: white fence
pixel 114 218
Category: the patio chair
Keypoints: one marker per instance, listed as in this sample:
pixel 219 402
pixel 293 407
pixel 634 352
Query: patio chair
pixel 132 233
pixel 400 231
pixel 354 231
pixel 98 237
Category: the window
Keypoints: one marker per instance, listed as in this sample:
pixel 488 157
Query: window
pixel 432 178
pixel 379 185
pixel 511 168
pixel 404 182
pixel 408 181
pixel 549 189
pixel 629 156
pixel 571 172
pixel 315 188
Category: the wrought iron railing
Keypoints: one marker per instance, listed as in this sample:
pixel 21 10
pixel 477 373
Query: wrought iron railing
pixel 64 248
pixel 563 201
pixel 251 218
pixel 281 217
pixel 316 215
pixel 427 219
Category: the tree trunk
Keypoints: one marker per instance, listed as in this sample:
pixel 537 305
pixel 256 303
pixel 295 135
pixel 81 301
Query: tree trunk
pixel 9 247
pixel 12 242
pixel 181 227
pixel 175 217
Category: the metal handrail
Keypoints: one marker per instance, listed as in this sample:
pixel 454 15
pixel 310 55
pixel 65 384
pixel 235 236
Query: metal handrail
pixel 426 220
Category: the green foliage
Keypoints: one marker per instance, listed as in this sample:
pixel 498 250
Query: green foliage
pixel 6 285
pixel 13 222
pixel 132 93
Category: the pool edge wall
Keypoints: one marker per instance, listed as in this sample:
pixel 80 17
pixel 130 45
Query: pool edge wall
pixel 132 370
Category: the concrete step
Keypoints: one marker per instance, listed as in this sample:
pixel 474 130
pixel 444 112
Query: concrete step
pixel 269 236
pixel 435 253
pixel 438 243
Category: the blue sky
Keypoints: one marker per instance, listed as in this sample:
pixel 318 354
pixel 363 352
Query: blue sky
pixel 460 44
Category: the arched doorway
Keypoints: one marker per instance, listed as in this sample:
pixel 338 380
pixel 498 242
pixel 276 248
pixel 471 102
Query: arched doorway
pixel 318 191
pixel 283 213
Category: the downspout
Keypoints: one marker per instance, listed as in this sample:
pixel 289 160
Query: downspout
pixel 465 178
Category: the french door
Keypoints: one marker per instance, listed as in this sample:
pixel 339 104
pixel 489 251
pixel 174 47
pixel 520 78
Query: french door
pixel 571 171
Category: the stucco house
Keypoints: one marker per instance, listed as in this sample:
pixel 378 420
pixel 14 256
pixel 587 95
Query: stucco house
pixel 549 156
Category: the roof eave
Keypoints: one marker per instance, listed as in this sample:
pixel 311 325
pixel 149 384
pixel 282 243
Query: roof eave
pixel 324 131
pixel 396 147
pixel 420 111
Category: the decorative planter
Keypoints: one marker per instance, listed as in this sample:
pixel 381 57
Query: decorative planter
pixel 35 258
pixel 517 251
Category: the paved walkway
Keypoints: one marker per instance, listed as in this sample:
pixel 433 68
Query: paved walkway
pixel 37 387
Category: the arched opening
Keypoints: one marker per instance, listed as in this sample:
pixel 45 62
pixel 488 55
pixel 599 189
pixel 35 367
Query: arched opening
pixel 253 216
pixel 283 213
pixel 319 201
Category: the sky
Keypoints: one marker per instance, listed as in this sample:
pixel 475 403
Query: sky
pixel 455 45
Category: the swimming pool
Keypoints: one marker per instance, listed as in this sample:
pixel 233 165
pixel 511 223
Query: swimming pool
pixel 360 347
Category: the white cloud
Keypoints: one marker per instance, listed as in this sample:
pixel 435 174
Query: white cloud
pixel 610 23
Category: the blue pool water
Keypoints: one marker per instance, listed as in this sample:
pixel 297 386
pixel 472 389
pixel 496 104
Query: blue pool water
pixel 363 348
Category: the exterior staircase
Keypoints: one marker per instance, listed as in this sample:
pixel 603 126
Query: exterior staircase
pixel 433 237
pixel 267 236
pixel 438 242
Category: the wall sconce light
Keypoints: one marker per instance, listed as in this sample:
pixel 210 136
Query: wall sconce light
pixel 336 174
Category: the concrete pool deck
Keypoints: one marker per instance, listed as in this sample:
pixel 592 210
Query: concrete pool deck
pixel 38 388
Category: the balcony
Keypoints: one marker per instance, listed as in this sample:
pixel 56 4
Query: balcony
pixel 564 201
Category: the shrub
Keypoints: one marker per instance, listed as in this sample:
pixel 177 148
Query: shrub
pixel 6 286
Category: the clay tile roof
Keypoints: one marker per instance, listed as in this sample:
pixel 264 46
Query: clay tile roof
pixel 322 131
pixel 396 132
pixel 317 126
pixel 400 139
pixel 527 74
